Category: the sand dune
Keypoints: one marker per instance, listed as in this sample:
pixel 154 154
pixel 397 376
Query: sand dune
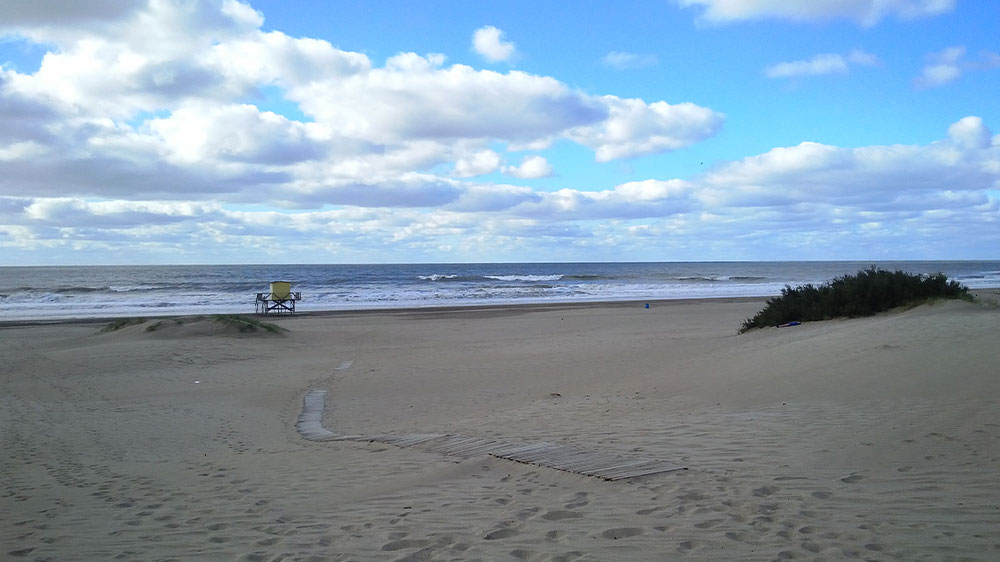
pixel 870 439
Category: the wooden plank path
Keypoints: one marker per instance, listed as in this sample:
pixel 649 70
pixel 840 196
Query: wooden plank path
pixel 560 457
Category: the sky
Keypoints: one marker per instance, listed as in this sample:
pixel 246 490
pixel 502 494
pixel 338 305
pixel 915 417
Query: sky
pixel 299 131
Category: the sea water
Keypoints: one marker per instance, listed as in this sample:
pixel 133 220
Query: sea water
pixel 38 293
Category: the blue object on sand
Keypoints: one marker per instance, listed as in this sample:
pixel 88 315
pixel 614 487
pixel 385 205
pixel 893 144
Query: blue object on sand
pixel 647 305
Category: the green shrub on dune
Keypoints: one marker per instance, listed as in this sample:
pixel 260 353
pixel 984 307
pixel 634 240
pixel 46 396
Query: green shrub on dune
pixel 865 293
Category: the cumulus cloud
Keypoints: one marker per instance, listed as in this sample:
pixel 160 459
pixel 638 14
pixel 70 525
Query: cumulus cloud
pixel 635 128
pixel 237 133
pixel 949 64
pixel 488 42
pixel 865 12
pixel 620 60
pixel 124 108
pixel 829 63
pixel 415 96
pixel 531 167
pixel 942 67
pixel 860 176
pixel 970 133
pixel 477 164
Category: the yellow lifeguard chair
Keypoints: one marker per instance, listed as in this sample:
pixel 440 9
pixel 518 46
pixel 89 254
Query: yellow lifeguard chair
pixel 281 299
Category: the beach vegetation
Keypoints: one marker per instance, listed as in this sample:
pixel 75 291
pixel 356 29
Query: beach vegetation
pixel 122 323
pixel 246 325
pixel 868 292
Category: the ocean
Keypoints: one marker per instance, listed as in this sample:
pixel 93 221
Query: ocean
pixel 42 293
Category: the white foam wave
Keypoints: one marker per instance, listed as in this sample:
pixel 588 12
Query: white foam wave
pixel 530 278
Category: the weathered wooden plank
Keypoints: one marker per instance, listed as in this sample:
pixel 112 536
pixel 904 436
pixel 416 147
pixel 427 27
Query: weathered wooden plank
pixel 588 461
pixel 560 457
pixel 533 455
pixel 646 472
pixel 620 465
pixel 458 445
pixel 417 438
pixel 482 449
pixel 510 452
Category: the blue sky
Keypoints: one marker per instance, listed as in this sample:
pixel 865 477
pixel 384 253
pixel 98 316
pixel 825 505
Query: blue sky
pixel 345 132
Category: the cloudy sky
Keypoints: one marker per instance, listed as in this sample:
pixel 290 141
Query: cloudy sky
pixel 293 131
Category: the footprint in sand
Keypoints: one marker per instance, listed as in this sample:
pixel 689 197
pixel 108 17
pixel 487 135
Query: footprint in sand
pixel 579 500
pixel 268 542
pixel 738 536
pixel 522 554
pixel 694 495
pixel 811 547
pixel 405 543
pixel 685 547
pixel 500 534
pixel 560 514
pixel 621 533
pixel 528 513
pixel 765 491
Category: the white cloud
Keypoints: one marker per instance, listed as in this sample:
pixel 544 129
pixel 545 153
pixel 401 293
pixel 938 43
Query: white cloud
pixel 635 128
pixel 122 108
pixel 22 150
pixel 488 42
pixel 828 63
pixel 865 12
pixel 477 164
pixel 970 133
pixel 653 190
pixel 865 176
pixel 820 64
pixel 862 58
pixel 531 167
pixel 415 97
pixel 625 61
pixel 237 133
pixel 942 67
pixel 949 64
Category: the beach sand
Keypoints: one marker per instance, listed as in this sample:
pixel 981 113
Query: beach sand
pixel 869 439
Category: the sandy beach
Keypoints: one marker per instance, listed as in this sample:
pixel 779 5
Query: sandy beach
pixel 867 439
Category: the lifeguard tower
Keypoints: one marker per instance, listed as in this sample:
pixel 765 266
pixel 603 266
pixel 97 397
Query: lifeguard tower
pixel 281 299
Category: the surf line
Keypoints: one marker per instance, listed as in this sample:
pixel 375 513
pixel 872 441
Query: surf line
pixel 559 457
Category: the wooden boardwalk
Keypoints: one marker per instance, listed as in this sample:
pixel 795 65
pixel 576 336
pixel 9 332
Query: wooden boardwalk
pixel 559 457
